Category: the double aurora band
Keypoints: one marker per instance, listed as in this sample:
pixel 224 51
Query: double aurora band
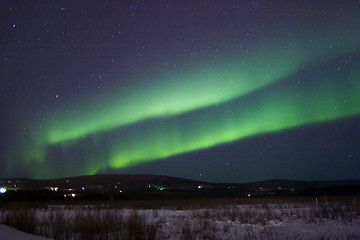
pixel 203 105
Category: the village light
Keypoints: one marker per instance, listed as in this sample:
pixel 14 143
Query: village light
pixel 2 190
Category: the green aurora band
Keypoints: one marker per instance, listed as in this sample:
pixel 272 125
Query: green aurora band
pixel 272 109
pixel 202 85
pixel 188 92
pixel 164 97
pixel 304 98
pixel 208 105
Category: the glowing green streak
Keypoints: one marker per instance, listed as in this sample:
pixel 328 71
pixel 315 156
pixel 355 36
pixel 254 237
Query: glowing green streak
pixel 240 75
pixel 188 92
pixel 272 110
pixel 165 97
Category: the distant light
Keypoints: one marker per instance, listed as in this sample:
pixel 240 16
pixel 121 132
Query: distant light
pixel 2 190
pixel 73 195
pixel 82 188
pixel 159 188
pixel 249 195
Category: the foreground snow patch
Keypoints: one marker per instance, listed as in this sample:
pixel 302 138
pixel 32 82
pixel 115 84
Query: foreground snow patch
pixel 280 219
pixel 9 233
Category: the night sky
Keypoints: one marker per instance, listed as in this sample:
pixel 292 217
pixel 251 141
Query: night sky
pixel 221 91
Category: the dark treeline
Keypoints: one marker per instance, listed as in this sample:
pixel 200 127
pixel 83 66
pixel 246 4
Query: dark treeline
pixel 140 194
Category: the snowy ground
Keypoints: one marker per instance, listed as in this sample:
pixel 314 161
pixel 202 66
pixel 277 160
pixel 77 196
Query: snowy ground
pixel 310 220
pixel 9 233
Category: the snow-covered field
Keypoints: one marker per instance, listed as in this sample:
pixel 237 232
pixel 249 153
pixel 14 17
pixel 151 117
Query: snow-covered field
pixel 9 233
pixel 266 220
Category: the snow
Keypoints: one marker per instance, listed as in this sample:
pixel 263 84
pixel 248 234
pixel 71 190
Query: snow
pixel 9 233
pixel 246 221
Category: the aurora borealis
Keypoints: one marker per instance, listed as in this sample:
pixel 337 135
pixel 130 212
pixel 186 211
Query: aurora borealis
pixel 218 91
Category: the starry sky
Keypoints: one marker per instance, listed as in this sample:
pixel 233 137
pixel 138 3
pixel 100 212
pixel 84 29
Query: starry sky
pixel 221 91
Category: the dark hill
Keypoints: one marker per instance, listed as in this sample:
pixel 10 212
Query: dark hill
pixel 101 181
pixel 141 186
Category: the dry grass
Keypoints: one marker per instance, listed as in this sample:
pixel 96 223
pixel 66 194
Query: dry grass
pixel 186 219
